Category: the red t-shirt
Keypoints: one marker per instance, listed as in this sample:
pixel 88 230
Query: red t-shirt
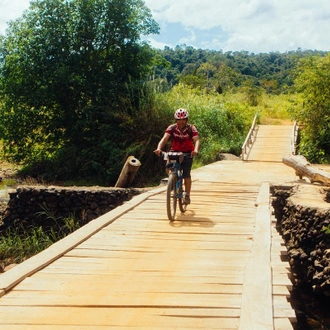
pixel 182 141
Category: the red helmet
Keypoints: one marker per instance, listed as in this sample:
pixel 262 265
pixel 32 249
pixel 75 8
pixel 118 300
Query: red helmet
pixel 181 114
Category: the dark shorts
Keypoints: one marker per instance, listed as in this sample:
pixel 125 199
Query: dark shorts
pixel 186 165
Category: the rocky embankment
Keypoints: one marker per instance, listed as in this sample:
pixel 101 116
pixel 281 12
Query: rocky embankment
pixel 303 219
pixel 49 207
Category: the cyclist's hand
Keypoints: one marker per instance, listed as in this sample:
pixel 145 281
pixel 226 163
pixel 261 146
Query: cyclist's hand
pixel 158 152
pixel 194 153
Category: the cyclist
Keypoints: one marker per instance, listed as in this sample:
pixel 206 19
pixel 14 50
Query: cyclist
pixel 184 138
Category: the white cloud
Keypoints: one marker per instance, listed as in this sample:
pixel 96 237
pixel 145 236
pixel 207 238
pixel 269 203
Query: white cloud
pixel 156 44
pixel 11 10
pixel 252 25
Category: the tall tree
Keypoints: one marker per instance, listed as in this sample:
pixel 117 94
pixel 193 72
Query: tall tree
pixel 313 80
pixel 66 66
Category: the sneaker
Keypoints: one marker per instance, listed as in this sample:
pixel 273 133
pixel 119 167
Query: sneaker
pixel 187 199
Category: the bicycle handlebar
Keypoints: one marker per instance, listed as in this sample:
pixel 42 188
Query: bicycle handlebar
pixel 165 154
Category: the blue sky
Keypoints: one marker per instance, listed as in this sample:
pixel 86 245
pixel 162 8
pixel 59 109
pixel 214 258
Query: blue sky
pixel 258 26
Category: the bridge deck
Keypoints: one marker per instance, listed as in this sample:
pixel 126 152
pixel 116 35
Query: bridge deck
pixel 216 267
pixel 271 143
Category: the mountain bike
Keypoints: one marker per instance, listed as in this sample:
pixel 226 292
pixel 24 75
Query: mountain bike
pixel 175 194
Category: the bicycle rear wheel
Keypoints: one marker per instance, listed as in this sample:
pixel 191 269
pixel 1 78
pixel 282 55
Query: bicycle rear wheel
pixel 182 204
pixel 171 197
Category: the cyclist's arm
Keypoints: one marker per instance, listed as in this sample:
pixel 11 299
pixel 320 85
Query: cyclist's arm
pixel 196 143
pixel 162 144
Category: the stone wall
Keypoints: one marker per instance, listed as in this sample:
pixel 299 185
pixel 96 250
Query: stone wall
pixel 302 218
pixel 48 207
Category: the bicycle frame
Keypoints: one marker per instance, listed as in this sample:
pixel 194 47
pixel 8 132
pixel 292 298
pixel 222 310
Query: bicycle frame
pixel 175 169
pixel 175 183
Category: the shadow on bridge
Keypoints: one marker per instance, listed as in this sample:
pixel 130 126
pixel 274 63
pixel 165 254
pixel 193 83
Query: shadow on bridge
pixel 189 219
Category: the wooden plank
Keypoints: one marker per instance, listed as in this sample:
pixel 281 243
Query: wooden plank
pixel 107 298
pixel 282 280
pixel 281 290
pixel 281 301
pixel 55 251
pixel 136 318
pixel 282 324
pixel 224 326
pixel 61 282
pixel 111 315
pixel 285 313
pixel 257 282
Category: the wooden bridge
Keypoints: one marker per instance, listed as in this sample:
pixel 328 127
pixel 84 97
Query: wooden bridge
pixel 219 266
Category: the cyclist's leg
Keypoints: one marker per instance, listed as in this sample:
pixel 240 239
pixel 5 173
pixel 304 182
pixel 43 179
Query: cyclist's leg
pixel 186 165
pixel 187 185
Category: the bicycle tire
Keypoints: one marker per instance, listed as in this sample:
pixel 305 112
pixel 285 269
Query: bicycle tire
pixel 171 198
pixel 182 204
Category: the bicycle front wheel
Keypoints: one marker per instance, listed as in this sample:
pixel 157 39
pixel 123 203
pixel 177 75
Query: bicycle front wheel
pixel 182 204
pixel 171 196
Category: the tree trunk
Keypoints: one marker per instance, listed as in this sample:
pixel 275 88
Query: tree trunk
pixel 128 172
pixel 305 169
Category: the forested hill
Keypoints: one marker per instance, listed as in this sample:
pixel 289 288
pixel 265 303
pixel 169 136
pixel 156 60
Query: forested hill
pixel 201 68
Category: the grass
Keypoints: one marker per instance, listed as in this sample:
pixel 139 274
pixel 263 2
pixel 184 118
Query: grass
pixel 272 109
pixel 18 244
